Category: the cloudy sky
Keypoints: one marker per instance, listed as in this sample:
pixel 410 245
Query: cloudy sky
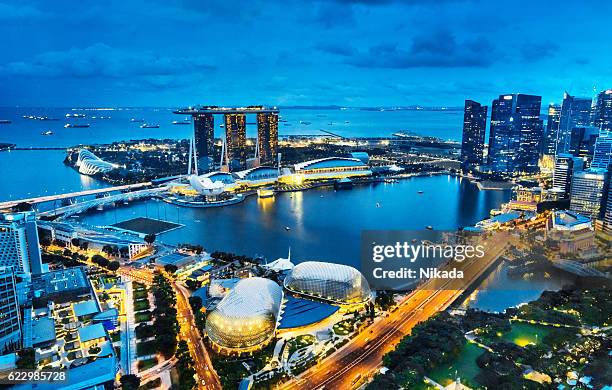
pixel 294 52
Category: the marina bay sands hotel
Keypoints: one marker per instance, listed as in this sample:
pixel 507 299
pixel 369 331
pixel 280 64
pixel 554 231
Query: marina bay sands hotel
pixel 235 147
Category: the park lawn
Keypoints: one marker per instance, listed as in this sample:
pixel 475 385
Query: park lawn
pixel 143 316
pixel 464 366
pixel 141 305
pixel 523 334
pixel 140 294
pixel 146 364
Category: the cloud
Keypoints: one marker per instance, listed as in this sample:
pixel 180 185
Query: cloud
pixel 100 60
pixel 338 49
pixel 329 15
pixel 532 52
pixel 15 12
pixel 439 49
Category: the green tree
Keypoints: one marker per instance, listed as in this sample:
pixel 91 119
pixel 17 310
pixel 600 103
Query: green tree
pixel 130 382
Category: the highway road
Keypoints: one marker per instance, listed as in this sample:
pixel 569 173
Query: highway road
pixel 190 333
pixel 348 367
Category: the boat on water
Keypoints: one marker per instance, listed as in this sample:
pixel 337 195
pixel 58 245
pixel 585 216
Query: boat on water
pixel 75 115
pixel 429 227
pixel 304 123
pixel 287 228
pixel 76 125
pixel 149 126
pixel 419 192
pixel 136 120
pixel 5 121
pixel 184 122
pixel 377 204
pixel 391 180
pixel 263 193
pixel 48 132
pixel 221 125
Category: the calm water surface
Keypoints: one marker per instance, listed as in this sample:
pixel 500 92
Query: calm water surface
pixel 324 224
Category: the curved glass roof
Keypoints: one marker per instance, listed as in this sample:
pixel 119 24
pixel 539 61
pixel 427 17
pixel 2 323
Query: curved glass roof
pixel 333 282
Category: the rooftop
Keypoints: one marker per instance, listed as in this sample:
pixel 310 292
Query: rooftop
pixel 85 308
pixel 301 312
pixel 91 332
pixel 43 330
pixel 227 110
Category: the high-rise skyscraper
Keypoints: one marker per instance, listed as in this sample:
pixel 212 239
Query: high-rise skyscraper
pixel 235 141
pixel 549 144
pixel 602 117
pixel 204 135
pixel 19 248
pixel 10 328
pixel 575 112
pixel 582 142
pixel 607 214
pixel 602 155
pixel 516 134
pixel 267 137
pixel 474 129
pixel 588 192
pixel 565 166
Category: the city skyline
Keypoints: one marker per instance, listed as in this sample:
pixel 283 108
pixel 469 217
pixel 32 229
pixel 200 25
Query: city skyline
pixel 422 54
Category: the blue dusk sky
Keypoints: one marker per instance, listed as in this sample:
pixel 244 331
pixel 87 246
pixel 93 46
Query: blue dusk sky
pixel 292 52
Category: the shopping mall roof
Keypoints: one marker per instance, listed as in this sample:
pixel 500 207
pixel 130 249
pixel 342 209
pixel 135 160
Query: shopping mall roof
pixel 569 219
pixel 43 330
pixel 91 332
pixel 85 308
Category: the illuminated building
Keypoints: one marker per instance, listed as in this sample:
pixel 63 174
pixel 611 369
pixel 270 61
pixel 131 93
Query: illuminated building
pixel 90 164
pixel 573 233
pixel 565 166
pixel 602 116
pixel 245 319
pixel 552 127
pixel 19 243
pixel 516 134
pixel 235 148
pixel 204 135
pixel 235 141
pixel 582 142
pixel 588 192
pixel 257 176
pixel 10 325
pixel 607 218
pixel 267 138
pixel 331 282
pixel 602 154
pixel 575 112
pixel 474 128
pixel 331 168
